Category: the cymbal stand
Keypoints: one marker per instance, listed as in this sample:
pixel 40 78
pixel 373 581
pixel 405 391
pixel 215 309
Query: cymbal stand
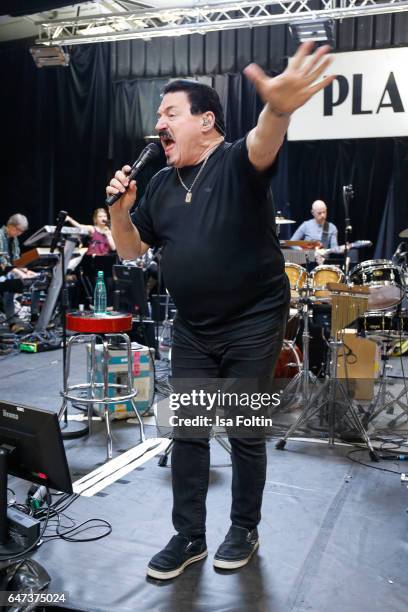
pixel 385 400
pixel 331 396
pixel 328 397
pixel 304 376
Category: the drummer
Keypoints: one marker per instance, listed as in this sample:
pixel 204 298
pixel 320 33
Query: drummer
pixel 319 229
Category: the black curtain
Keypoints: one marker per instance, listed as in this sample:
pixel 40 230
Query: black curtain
pixel 395 213
pixel 55 134
pixel 318 170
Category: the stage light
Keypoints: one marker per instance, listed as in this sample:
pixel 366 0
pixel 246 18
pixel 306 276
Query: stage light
pixel 49 56
pixel 318 30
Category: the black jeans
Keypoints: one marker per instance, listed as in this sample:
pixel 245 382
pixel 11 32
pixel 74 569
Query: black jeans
pixel 247 355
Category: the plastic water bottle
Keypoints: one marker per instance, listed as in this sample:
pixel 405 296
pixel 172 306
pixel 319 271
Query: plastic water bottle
pixel 100 295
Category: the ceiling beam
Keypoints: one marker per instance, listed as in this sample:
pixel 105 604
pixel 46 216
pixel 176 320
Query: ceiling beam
pixel 147 24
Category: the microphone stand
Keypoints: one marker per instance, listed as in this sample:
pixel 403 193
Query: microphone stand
pixel 347 193
pixel 69 429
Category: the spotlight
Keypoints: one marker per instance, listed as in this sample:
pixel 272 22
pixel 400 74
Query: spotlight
pixel 319 30
pixel 49 56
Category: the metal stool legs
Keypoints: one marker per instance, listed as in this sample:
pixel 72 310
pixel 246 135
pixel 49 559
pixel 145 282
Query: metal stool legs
pixel 98 392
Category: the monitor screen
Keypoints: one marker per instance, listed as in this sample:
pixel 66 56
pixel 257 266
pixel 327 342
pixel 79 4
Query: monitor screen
pixel 36 451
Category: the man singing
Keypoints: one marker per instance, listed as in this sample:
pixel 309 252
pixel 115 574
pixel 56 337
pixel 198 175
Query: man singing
pixel 211 210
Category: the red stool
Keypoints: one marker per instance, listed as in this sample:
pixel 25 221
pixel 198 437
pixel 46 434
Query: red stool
pixel 107 329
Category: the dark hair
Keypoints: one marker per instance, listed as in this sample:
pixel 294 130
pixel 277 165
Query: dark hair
pixel 202 98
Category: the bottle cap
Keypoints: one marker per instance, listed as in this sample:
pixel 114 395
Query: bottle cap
pixel 100 273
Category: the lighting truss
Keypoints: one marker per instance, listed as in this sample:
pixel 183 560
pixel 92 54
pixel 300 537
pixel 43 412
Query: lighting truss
pixel 202 18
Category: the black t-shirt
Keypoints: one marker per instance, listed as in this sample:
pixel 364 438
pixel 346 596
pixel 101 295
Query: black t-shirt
pixel 221 258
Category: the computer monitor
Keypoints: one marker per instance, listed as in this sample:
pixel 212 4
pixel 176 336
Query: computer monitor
pixel 130 290
pixel 31 448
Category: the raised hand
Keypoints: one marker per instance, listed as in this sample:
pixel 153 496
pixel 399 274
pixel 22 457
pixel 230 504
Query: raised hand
pixel 296 85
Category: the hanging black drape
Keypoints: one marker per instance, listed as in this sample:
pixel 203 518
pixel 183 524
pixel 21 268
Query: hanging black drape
pixel 395 214
pixel 318 170
pixel 55 134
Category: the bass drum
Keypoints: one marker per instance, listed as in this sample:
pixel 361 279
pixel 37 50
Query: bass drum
pixel 289 361
pixel 385 281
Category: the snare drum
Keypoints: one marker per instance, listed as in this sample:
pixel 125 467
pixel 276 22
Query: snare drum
pixel 384 325
pixel 322 275
pixel 297 278
pixel 385 280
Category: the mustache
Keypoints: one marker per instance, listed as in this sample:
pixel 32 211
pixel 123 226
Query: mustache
pixel 165 134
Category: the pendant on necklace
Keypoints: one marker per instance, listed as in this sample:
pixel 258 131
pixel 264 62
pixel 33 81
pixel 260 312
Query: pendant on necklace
pixel 189 195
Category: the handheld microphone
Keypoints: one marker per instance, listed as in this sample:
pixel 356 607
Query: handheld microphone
pixel 147 155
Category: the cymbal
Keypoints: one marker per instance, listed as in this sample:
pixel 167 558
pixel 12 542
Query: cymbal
pixel 279 220
pixel 304 244
pixel 404 233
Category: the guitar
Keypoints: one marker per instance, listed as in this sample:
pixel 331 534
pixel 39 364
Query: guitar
pixel 358 244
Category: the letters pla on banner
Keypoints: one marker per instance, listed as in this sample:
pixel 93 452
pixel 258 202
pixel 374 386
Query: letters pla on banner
pixel 368 99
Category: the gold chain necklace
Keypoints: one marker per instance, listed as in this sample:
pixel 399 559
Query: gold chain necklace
pixel 189 190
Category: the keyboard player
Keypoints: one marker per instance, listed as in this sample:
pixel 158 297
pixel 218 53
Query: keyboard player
pixel 9 253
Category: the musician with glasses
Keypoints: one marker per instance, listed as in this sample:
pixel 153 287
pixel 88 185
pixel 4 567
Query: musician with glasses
pixel 16 225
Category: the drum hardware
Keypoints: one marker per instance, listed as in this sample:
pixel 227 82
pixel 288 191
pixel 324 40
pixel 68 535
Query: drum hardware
pixel 385 401
pixel 348 195
pixel 386 329
pixel 303 378
pixel 400 254
pixel 404 233
pixel 346 303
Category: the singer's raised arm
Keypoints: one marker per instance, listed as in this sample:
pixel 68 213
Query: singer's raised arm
pixel 282 95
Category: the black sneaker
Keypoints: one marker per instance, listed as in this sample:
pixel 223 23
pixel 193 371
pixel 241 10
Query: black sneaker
pixel 174 558
pixel 237 548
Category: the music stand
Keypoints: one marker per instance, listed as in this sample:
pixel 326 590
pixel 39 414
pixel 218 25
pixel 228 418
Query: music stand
pixel 31 448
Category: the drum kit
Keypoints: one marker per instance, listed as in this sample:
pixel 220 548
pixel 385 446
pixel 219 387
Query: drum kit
pixel 382 318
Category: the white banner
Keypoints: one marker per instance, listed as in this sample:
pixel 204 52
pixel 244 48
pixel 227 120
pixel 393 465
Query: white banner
pixel 368 99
